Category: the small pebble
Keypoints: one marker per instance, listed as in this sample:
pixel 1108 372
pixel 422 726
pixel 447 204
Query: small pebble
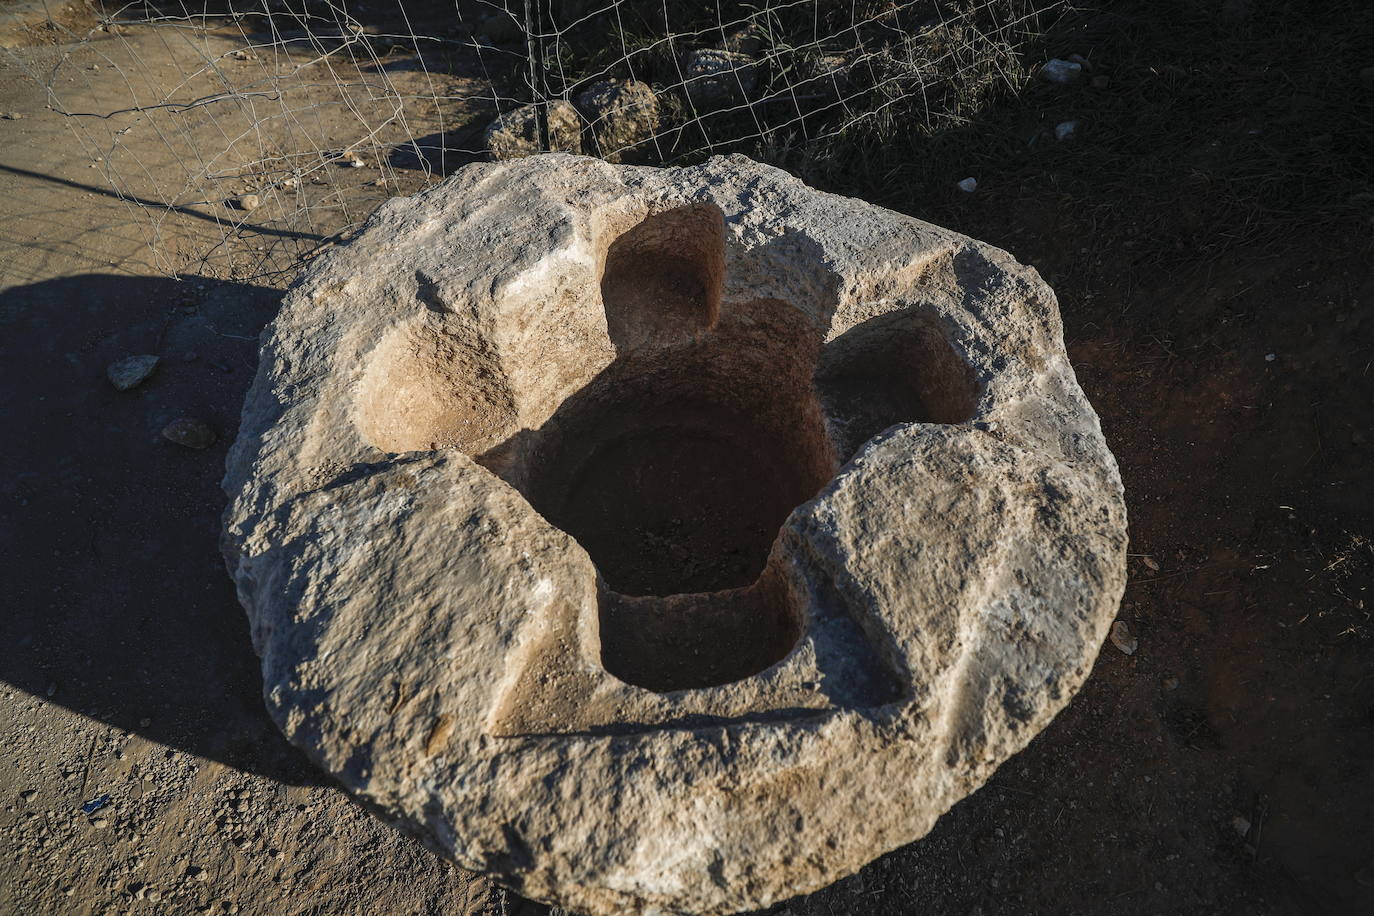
pixel 11 116
pixel 27 795
pixel 1240 825
pixel 1065 130
pixel 190 434
pixel 100 823
pixel 1060 72
pixel 131 371
pixel 245 202
pixel 1150 563
pixel 968 185
pixel 1171 683
pixel 1270 357
pixel 1122 638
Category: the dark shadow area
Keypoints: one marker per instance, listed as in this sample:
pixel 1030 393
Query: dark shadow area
pixel 154 205
pixel 119 604
pixel 443 153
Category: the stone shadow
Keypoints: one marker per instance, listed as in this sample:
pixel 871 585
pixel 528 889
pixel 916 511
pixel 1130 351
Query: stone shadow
pixel 119 606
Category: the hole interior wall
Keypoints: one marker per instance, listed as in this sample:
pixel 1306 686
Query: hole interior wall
pixel 898 367
pixel 662 279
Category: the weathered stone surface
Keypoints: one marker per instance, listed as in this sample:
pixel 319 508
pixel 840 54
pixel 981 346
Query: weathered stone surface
pixel 516 133
pixel 667 540
pixel 715 78
pixel 622 115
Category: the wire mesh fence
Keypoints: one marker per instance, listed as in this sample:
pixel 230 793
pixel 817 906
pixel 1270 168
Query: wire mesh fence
pixel 246 134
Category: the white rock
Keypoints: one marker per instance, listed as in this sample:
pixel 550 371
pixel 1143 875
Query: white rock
pixel 627 534
pixel 1061 72
pixel 623 115
pixel 967 185
pixel 516 133
pixel 1065 130
pixel 1122 638
pixel 714 78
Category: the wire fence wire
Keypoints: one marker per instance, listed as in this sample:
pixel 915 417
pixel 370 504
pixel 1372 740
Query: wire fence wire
pixel 245 135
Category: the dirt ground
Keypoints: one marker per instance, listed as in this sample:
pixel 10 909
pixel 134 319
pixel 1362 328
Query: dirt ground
pixel 1224 767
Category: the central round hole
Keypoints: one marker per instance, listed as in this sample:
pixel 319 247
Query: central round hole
pixel 674 469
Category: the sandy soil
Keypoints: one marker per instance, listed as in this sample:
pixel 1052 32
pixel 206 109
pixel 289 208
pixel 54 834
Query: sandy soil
pixel 1223 767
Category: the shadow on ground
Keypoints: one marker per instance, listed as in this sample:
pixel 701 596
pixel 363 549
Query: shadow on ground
pixel 119 605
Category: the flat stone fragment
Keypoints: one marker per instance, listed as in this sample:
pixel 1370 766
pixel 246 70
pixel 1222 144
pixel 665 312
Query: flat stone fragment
pixel 667 541
pixel 131 371
pixel 189 433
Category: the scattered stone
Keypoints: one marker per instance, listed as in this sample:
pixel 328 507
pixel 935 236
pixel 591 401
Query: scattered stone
pixel 12 116
pixel 1065 130
pixel 1241 826
pixel 516 133
pixel 622 114
pixel 1171 683
pixel 245 202
pixel 189 433
pixel 1122 638
pixel 582 302
pixel 289 184
pixel 131 371
pixel 714 79
pixel 967 185
pixel 1270 357
pixel 27 795
pixel 354 161
pixel 242 54
pixel 100 823
pixel 1150 563
pixel 1061 72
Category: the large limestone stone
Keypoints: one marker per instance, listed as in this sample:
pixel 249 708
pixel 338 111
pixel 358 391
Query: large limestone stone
pixel 667 540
